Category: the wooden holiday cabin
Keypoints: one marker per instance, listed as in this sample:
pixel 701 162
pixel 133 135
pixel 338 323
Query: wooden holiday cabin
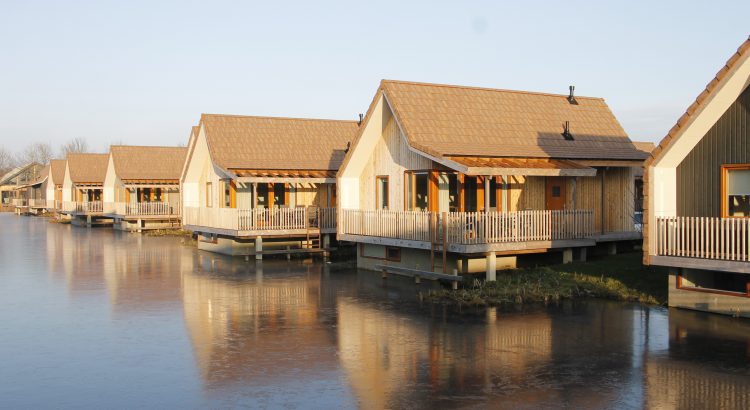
pixel 13 192
pixel 259 185
pixel 83 187
pixel 54 185
pixel 698 197
pixel 444 177
pixel 34 194
pixel 142 187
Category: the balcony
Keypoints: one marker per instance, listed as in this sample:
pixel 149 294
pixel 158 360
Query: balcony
pixel 470 231
pixel 92 207
pixel 260 221
pixel 37 203
pixel 702 243
pixel 145 209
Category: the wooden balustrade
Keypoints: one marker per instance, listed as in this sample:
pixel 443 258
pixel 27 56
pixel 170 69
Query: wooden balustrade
pixel 87 207
pixel 261 219
pixel 469 228
pixel 702 237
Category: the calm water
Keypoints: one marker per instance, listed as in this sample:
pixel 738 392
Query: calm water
pixel 102 319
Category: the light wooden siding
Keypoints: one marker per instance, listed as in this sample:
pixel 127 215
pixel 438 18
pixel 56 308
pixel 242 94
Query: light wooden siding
pixel 619 199
pixel 244 196
pixel 588 195
pixel 310 195
pixel 699 174
pixel 390 157
pixel 526 193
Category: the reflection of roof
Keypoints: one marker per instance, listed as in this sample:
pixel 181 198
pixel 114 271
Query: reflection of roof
pixel 241 142
pixel 712 86
pixel 88 168
pixel 148 163
pixel 447 120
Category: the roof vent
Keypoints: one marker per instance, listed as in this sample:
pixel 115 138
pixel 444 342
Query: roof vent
pixel 566 131
pixel 572 95
pixel 361 116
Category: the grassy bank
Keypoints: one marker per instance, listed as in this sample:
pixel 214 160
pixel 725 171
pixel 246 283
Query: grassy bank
pixel 618 277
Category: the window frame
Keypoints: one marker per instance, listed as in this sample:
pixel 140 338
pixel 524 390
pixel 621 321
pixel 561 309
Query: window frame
pixel 724 186
pixel 209 194
pixel 387 180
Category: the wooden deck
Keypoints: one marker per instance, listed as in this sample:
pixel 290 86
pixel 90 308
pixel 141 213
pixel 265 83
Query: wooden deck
pixel 249 223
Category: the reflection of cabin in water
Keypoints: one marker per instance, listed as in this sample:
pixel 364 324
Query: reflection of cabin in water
pixel 252 184
pixel 83 186
pixel 695 375
pixel 698 197
pixel 441 175
pixel 142 187
pixel 255 323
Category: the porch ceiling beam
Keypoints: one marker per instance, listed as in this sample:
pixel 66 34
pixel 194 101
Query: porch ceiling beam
pixel 609 163
pixel 569 172
pixel 287 180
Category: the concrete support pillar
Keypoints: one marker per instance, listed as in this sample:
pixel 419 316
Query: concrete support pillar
pixel 140 225
pixel 288 253
pixel 88 221
pixel 258 248
pixel 465 265
pixel 491 267
pixel 582 255
pixel 612 248
pixel 454 284
pixel 567 255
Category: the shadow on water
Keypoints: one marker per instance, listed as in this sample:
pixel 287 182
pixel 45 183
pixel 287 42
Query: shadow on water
pixel 222 332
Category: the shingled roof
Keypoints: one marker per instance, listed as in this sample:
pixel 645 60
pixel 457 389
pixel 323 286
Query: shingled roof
pixel 448 120
pixel 88 168
pixel 245 142
pixel 148 163
pixel 57 170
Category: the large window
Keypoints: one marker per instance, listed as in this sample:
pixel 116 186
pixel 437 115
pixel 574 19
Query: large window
pixel 381 194
pixel 417 190
pixel 736 191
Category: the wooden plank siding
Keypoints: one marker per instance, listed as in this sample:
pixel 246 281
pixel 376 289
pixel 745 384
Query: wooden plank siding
pixel 699 173
pixel 391 157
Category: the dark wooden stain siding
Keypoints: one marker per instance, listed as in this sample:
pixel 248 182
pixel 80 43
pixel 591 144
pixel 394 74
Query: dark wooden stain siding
pixel 699 174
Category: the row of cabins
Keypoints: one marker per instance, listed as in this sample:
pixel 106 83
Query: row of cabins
pixel 435 178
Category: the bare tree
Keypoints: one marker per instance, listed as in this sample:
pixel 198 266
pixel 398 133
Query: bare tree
pixel 38 152
pixel 74 146
pixel 7 162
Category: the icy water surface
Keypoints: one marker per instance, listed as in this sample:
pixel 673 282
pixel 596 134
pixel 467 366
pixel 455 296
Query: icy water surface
pixel 93 318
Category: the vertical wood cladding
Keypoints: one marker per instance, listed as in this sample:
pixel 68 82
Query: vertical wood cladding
pixel 699 174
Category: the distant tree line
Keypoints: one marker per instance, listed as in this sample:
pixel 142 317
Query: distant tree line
pixel 39 152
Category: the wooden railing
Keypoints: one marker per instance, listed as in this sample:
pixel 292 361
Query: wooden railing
pixel 38 203
pixel 146 208
pixel 702 237
pixel 19 202
pixel 261 219
pixel 87 207
pixel 469 228
pixel 54 204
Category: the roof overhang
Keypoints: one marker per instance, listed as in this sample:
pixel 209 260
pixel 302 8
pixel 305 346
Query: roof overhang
pixel 285 175
pixel 150 182
pixel 518 166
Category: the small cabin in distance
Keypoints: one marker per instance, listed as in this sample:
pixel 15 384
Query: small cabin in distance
pixel 83 188
pixel 11 196
pixel 698 197
pixel 54 184
pixel 446 177
pixel 260 185
pixel 142 187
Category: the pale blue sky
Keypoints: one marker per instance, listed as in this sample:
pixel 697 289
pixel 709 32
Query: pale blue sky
pixel 141 72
